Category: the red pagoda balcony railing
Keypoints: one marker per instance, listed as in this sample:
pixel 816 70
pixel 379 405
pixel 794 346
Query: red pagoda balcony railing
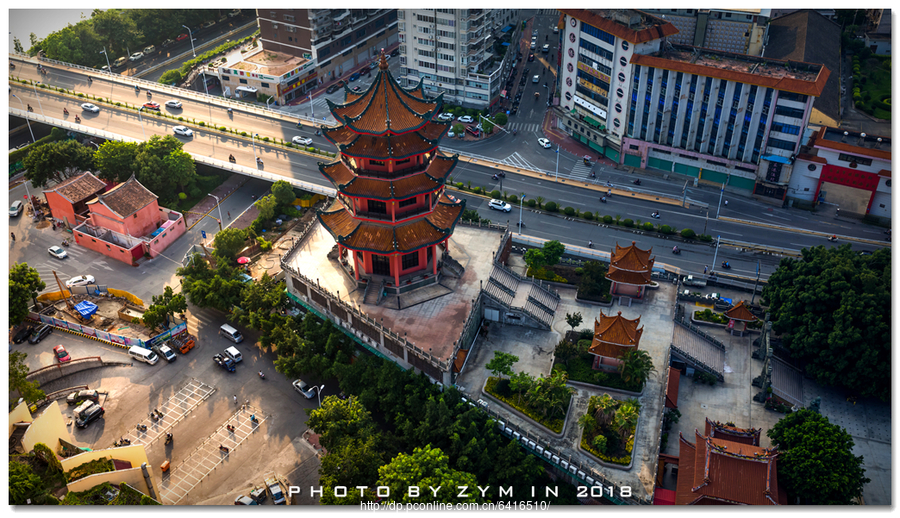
pixel 397 173
pixel 401 215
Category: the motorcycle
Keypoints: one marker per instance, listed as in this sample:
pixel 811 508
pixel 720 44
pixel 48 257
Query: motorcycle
pixel 261 375
pixel 142 428
pixel 169 438
pixel 603 199
pixel 515 133
pixel 223 449
pixel 253 419
pixel 121 442
pixel 232 159
pixel 30 108
pixel 65 111
pixel 90 81
pixel 832 238
pixel 676 251
pixel 590 244
pixel 77 118
pixel 636 182
pixel 230 110
pixel 230 428
pixel 153 416
pixel 65 242
pixel 12 66
pixel 726 266
pixel 149 95
pixel 654 215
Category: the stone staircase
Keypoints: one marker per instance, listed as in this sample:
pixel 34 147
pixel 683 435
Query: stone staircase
pixel 698 352
pixel 503 280
pixel 544 298
pixel 373 293
pixel 452 267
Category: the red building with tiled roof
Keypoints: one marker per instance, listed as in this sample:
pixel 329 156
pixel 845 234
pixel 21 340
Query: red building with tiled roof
pixel 732 433
pixel 391 212
pixel 718 471
pixel 629 271
pixel 68 199
pixel 739 316
pixel 613 337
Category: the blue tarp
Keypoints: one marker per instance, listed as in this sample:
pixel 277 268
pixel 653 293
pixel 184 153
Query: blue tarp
pixel 86 309
pixel 507 28
pixel 777 158
pixel 506 44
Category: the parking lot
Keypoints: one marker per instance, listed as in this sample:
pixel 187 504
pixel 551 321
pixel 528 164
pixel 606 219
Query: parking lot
pixel 196 399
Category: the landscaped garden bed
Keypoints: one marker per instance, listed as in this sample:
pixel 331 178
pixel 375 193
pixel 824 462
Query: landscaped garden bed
pixel 608 429
pixel 573 359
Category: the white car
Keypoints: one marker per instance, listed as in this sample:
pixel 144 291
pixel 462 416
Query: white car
pixel 57 252
pixel 544 143
pixel 533 44
pixel 535 79
pixel 81 280
pixel 183 130
pixel 465 119
pixel 444 117
pixel 451 134
pixel 500 205
pixel 136 56
pixel 88 107
pixel 173 104
pixel 303 388
pixel 301 141
pixel 16 208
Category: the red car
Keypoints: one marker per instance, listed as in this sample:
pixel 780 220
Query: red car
pixel 181 37
pixel 151 106
pixel 61 354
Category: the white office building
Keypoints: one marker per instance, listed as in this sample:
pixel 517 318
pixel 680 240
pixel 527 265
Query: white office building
pixel 453 52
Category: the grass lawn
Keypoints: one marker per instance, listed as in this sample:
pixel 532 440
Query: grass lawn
pixel 876 84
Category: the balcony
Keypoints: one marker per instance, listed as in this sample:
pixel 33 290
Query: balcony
pixel 401 215
pixel 398 173
pixel 476 13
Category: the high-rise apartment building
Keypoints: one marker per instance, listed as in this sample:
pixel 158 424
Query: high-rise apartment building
pixel 453 51
pixel 720 117
pixel 336 40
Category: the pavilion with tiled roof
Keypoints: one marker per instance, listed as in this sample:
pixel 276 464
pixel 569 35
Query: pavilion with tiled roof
pixel 718 471
pixel 391 213
pixel 613 337
pixel 732 433
pixel 739 316
pixel 629 272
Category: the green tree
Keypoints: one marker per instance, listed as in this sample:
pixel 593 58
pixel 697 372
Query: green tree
pixel 24 285
pixel 24 484
pixel 164 307
pixel 832 301
pixel 56 161
pixel 17 45
pixel 115 160
pixel 566 350
pixel 164 168
pixel 353 462
pixel 338 418
pixel 266 207
pixel 426 467
pixel 574 320
pixel 283 192
pixel 816 464
pixel 117 31
pixel 520 383
pixel 501 363
pixel 553 252
pixel 626 418
pixel 501 119
pixel 28 390
pixel 535 259
pixel 636 366
pixel 587 423
pixel 604 408
pixel 229 242
pixel 258 300
pixel 170 77
pixel 459 129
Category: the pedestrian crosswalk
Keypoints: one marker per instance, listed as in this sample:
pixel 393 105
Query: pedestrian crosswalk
pixel 545 12
pixel 580 171
pixel 516 160
pixel 523 127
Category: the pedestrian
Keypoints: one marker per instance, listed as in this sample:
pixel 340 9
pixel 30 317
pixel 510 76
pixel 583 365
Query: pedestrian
pixel 235 399
pixel 609 192
pixel 229 215
pixel 13 236
pixel 705 269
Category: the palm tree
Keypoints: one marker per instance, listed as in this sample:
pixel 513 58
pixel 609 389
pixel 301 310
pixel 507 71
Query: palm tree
pixel 636 366
pixel 605 407
pixel 625 419
pixel 587 423
pixel 540 201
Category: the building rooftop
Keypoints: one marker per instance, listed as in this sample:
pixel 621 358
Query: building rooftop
pixel 631 25
pixel 788 75
pixel 614 335
pixel 266 62
pixel 853 142
pixel 809 37
pixel 79 188
pixel 126 198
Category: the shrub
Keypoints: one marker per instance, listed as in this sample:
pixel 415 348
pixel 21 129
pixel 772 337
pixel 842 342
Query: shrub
pixel 182 196
pixel 243 133
pixel 588 216
pixel 477 190
pixel 607 219
pixel 569 211
pixel 202 124
pixel 648 227
pixel 501 119
pixel 531 203
pixel 628 223
pixel 688 234
pixel 551 207
pixel 666 229
pixel 264 245
pixel 706 238
pixel 495 194
pixel 460 185
pixel 222 128
pixel 513 199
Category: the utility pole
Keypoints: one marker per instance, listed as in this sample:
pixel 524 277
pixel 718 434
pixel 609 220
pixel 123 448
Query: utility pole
pixel 684 193
pixel 715 256
pixel 753 298
pixel 521 203
pixel 721 194
pixel 557 162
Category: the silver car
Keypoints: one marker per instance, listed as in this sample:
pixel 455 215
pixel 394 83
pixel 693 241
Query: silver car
pixel 500 205
pixel 183 131
pixel 88 107
pixel 303 388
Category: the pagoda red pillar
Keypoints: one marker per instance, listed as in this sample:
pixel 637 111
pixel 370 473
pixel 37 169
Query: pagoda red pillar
pixel 434 259
pixel 395 268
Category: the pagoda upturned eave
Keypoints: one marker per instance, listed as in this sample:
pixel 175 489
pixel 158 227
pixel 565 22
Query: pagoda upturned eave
pixel 394 189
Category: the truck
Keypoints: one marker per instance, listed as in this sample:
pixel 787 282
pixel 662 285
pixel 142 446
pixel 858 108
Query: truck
pixel 690 280
pixel 273 487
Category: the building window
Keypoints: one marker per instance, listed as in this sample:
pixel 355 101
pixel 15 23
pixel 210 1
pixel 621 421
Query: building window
pixel 226 78
pixel 377 207
pixel 264 85
pixel 598 33
pixel 410 260
pixel 407 202
pixel 850 158
pixel 242 81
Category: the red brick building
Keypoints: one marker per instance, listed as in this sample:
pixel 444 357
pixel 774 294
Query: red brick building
pixel 391 213
pixel 68 200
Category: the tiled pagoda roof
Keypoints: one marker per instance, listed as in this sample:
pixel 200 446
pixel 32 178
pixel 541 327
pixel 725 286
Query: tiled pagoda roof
pixel 741 313
pixel 731 433
pixel 345 181
pixel 389 147
pixel 346 138
pixel 717 471
pixel 386 238
pixel 384 107
pixel 627 277
pixel 631 258
pixel 614 335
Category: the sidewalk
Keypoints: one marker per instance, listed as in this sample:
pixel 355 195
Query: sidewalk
pixel 208 203
pixel 569 144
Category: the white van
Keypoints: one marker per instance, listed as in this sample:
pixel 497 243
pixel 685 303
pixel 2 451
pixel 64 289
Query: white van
pixel 234 354
pixel 143 355
pixel 231 333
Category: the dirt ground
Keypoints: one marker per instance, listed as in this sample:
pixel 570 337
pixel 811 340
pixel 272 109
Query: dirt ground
pixel 106 318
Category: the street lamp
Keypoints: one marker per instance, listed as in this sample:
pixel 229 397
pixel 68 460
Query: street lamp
pixel 319 393
pixel 191 37
pixel 557 163
pixel 26 117
pixel 142 122
pixel 34 85
pixel 521 204
pixel 108 67
pixel 219 205
pixel 253 143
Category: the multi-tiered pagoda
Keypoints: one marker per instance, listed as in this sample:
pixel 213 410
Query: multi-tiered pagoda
pixel 391 212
